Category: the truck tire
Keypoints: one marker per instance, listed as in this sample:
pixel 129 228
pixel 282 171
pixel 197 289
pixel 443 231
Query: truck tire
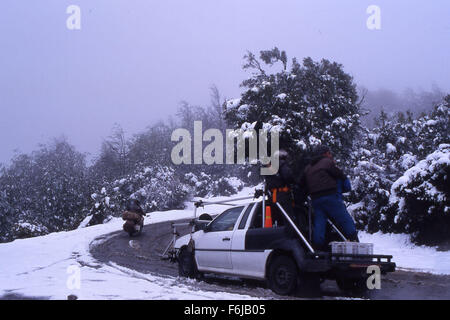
pixel 283 275
pixel 186 264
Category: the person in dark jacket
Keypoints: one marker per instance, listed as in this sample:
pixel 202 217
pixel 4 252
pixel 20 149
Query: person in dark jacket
pixel 134 218
pixel 280 183
pixel 321 178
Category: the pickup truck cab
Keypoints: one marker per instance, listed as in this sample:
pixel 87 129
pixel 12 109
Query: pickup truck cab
pixel 237 243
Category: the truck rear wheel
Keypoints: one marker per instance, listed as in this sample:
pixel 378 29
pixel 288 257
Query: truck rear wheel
pixel 283 275
pixel 186 264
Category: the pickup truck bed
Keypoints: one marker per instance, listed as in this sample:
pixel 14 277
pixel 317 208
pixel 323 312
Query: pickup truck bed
pixel 352 265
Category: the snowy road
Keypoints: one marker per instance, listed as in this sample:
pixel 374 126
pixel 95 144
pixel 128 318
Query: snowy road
pixel 142 254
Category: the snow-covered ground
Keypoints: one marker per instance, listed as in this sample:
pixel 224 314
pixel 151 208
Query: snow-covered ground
pixel 50 266
pixel 407 255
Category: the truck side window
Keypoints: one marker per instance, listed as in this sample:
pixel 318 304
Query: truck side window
pixel 245 217
pixel 227 220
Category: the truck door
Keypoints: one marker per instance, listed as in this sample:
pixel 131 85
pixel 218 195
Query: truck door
pixel 213 246
pixel 249 262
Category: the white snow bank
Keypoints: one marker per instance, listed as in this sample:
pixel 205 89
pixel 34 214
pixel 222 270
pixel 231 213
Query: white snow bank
pixel 46 267
pixel 407 255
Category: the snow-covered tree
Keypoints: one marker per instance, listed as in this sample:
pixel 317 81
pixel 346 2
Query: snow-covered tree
pixel 46 191
pixel 150 147
pixel 432 129
pixel 113 161
pixel 420 198
pixel 370 189
pixel 62 187
pixel 310 103
pixel 6 219
pixel 384 154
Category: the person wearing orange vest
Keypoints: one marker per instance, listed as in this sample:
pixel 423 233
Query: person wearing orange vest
pixel 279 184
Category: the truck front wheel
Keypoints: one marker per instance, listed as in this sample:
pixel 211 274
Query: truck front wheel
pixel 283 275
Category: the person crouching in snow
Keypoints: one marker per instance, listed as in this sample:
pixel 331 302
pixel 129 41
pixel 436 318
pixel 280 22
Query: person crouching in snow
pixel 134 218
pixel 321 178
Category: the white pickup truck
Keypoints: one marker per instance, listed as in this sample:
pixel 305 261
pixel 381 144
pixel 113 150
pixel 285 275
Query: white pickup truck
pixel 237 243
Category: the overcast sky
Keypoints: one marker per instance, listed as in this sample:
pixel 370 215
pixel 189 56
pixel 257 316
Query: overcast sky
pixel 133 61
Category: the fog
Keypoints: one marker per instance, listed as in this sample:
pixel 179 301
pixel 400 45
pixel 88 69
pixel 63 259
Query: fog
pixel 132 62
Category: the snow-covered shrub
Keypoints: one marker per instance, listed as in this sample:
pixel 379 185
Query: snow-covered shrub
pixel 23 229
pixel 370 193
pixel 157 188
pixel 421 198
pixel 226 186
pixel 205 185
pixel 200 185
pixel 100 212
